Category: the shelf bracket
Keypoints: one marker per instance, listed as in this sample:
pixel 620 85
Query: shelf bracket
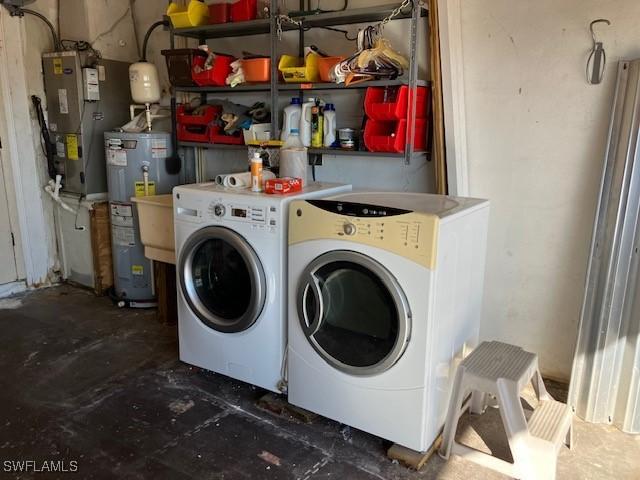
pixel 273 44
pixel 413 84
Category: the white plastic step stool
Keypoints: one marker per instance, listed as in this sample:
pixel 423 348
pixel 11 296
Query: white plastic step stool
pixel 502 371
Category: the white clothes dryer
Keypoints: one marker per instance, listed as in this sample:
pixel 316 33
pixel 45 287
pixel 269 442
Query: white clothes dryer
pixel 385 293
pixel 231 267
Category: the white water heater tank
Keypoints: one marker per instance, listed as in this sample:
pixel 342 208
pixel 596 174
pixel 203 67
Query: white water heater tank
pixel 145 86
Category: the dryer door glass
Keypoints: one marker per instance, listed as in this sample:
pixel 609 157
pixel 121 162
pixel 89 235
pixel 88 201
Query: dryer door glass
pixel 354 312
pixel 222 279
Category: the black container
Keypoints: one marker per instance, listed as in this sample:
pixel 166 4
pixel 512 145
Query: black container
pixel 179 63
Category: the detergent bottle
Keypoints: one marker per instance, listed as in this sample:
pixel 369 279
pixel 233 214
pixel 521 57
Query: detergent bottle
pixel 317 125
pixel 305 122
pixel 291 118
pixel 329 125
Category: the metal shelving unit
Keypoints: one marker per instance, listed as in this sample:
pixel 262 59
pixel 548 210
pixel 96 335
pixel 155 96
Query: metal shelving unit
pixel 284 87
pixel 329 19
pixel 223 30
pixel 217 146
pixel 311 151
pixel 258 87
pixel 357 153
pixel 326 19
pixel 336 86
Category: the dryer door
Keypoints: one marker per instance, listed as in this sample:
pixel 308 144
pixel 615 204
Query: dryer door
pixel 354 312
pixel 222 279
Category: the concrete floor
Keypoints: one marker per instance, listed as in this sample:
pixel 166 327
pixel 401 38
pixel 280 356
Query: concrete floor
pixel 84 381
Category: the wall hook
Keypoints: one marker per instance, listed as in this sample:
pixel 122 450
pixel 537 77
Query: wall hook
pixel 597 58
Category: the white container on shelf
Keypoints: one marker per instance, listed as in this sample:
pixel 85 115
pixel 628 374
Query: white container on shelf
pixel 329 125
pixel 258 132
pixel 291 118
pixel 293 158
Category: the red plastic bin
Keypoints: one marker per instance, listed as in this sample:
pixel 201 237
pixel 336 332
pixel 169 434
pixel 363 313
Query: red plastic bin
pixel 385 136
pixel 219 13
pixel 244 10
pixel 210 114
pixel 391 103
pixel 196 128
pixel 193 133
pixel 217 75
pixel 203 127
pixel 216 135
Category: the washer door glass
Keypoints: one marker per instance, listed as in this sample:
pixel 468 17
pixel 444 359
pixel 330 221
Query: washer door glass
pixel 222 279
pixel 353 312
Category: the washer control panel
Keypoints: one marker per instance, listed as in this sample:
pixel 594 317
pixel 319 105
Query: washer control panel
pixel 219 210
pixel 266 216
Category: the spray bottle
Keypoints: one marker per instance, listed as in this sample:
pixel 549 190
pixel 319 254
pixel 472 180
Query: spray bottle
pixel 256 172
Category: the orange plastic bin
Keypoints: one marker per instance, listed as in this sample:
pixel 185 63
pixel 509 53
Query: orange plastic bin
pixel 257 69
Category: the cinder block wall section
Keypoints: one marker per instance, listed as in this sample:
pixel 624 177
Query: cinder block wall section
pixel 536 137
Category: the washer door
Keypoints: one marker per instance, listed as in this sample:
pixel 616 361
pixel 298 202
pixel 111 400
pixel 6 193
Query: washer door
pixel 222 279
pixel 354 312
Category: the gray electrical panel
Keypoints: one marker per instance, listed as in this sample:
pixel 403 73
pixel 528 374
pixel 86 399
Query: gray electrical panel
pixel 85 97
pixel 136 166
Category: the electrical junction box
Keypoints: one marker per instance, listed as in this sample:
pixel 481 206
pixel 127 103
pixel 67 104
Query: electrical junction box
pixel 86 96
pixel 90 84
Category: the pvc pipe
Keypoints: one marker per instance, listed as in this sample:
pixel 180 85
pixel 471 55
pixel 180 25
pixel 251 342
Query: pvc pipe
pixel 53 189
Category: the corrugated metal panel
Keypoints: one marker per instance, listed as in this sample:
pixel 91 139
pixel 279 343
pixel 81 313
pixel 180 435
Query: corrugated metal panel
pixel 605 382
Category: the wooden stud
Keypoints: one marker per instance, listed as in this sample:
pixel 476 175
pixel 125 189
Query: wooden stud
pixel 411 458
pixel 165 281
pixel 277 405
pixel 438 146
pixel 100 226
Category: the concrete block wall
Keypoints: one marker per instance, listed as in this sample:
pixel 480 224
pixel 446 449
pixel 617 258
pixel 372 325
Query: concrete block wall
pixel 536 136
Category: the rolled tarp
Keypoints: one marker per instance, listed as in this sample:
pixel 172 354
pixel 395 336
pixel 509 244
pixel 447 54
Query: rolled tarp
pixel 240 180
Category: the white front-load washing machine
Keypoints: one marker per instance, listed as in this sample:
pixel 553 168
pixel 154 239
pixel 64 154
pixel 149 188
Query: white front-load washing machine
pixel 385 294
pixel 231 266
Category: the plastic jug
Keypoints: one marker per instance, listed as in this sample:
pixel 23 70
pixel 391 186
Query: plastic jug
pixel 329 125
pixel 291 118
pixel 293 158
pixel 305 122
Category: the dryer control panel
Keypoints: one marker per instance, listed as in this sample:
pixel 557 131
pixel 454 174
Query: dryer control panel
pixel 410 234
pixel 404 232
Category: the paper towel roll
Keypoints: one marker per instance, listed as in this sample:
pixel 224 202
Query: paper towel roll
pixel 243 180
pixel 220 179
pixel 294 163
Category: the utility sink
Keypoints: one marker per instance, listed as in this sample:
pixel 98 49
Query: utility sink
pixel 155 213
